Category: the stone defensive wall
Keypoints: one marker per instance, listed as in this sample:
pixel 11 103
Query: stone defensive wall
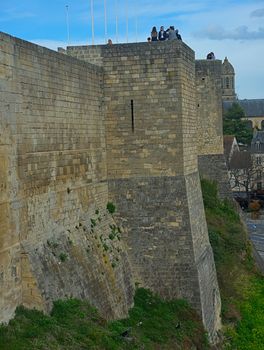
pixel 151 140
pixel 211 160
pixel 98 124
pixel 54 226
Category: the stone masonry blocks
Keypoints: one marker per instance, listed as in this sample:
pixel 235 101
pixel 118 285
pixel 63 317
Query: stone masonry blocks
pixel 53 157
pixel 209 106
pixel 152 169
pixel 93 124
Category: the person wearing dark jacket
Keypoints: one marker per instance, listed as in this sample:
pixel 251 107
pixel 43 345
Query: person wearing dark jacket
pixel 210 56
pixel 178 35
pixel 154 34
pixel 162 34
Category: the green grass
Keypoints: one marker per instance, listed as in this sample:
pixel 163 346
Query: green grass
pixel 249 333
pixel 74 324
pixel 241 286
pixel 155 324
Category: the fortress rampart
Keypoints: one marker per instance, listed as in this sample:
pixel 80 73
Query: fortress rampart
pixel 152 168
pixel 211 161
pixel 53 182
pixel 117 123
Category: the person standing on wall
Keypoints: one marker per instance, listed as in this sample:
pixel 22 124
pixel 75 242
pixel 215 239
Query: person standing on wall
pixel 210 56
pixel 162 34
pixel 172 33
pixel 178 35
pixel 154 34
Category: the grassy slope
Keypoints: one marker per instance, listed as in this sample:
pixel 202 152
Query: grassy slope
pixel 242 288
pixel 74 324
pixel 153 323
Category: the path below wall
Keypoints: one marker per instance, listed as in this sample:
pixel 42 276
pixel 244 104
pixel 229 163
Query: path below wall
pixel 256 235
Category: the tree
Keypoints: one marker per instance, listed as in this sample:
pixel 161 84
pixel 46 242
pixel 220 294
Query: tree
pixel 243 172
pixel 235 112
pixel 234 125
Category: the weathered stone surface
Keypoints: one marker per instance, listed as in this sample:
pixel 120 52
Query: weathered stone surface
pixel 213 167
pixel 75 135
pixel 168 240
pixel 211 161
pixel 209 106
pixel 152 168
pixel 53 180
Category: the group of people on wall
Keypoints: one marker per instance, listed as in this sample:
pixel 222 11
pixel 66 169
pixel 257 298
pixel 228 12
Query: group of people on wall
pixel 210 56
pixel 168 34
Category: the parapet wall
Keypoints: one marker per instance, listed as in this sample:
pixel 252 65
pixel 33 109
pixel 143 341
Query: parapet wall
pixel 53 155
pixel 91 54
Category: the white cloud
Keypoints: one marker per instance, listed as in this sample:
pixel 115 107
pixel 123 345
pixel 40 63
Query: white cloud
pixel 244 56
pixel 54 44
pixel 228 27
pixel 239 33
pixel 257 13
pixel 50 44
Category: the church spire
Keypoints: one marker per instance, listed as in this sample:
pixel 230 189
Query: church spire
pixel 228 81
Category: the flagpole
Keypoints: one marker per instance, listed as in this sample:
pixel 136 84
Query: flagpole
pixel 92 18
pixel 136 27
pixel 105 21
pixel 126 22
pixel 67 24
pixel 116 10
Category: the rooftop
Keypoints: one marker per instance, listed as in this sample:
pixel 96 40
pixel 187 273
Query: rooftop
pixel 228 142
pixel 252 107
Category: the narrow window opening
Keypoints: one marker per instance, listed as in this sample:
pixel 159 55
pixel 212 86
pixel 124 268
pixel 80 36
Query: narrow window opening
pixel 227 83
pixel 132 116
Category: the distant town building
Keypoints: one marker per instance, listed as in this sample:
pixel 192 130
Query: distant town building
pixel 228 82
pixel 230 146
pixel 257 153
pixel 245 167
pixel 239 165
pixel 241 171
pixel 254 108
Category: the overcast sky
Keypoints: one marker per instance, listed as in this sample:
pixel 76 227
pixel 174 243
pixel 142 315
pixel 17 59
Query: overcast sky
pixel 232 28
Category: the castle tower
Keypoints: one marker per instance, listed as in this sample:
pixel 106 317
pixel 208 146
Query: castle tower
pixel 228 81
pixel 210 149
pixel 151 144
pixel 54 226
pixel 75 135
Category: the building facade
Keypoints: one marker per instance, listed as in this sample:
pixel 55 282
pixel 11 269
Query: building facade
pixel 228 81
pixel 257 152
